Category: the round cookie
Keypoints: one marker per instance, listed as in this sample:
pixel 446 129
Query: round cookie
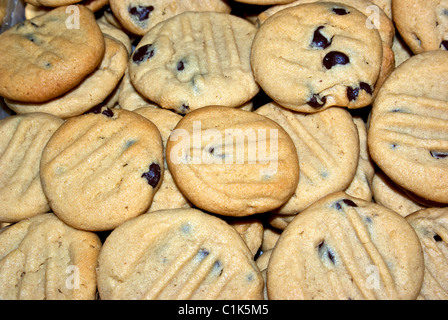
pixel 327 145
pixel 139 16
pixel 407 137
pixel 195 59
pixel 431 226
pixel 49 55
pixel 102 168
pixel 42 258
pixel 131 99
pixel 309 57
pixel 346 248
pixel 423 24
pixel 177 254
pixel 92 91
pixel 232 162
pixel 23 137
pixel 168 195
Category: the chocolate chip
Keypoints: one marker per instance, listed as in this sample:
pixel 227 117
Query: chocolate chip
pixel 334 58
pixel 349 203
pixel 319 40
pixel 180 66
pixel 99 109
pixel 153 175
pixel 437 238
pixel 141 12
pixel 444 44
pixel 352 93
pixel 439 155
pixel 143 54
pixel 340 11
pixel 217 267
pixel 30 37
pixel 317 102
pixel 325 252
pixel 366 87
pixel 184 108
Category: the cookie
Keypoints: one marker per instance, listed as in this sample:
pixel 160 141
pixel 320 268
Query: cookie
pixel 327 146
pixel 168 195
pixel 423 24
pixel 270 237
pixel 102 168
pixel 23 137
pixel 232 162
pixel 251 230
pixel 32 11
pixel 42 258
pixel 177 254
pixel 92 91
pixel 139 16
pixel 344 248
pixel 407 137
pixel 114 32
pixel 52 3
pixel 316 55
pixel 431 226
pixel 388 194
pixel 49 55
pixel 129 98
pixel 195 59
pixel 384 5
pixel 360 187
pixel 401 50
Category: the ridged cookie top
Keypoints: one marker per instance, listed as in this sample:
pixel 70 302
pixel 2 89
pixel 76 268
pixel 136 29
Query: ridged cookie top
pixel 327 145
pixel 195 59
pixel 139 16
pixel 177 254
pixel 102 168
pixel 41 258
pixel 346 248
pixel 22 140
pixel 408 134
pixel 431 226
pixel 232 162
pixel 47 56
pixel 316 55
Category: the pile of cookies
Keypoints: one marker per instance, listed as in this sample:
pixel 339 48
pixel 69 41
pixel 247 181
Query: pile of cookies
pixel 251 149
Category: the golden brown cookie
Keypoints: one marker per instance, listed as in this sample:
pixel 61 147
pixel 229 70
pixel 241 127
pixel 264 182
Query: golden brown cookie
pixel 102 168
pixel 22 140
pixel 42 258
pixel 177 254
pixel 232 162
pixel 346 248
pixel 431 226
pixel 49 55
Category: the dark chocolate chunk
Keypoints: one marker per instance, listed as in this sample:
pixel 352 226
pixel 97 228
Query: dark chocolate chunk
pixel 180 66
pixel 437 238
pixel 316 101
pixel 334 58
pixel 153 175
pixel 202 254
pixel 319 40
pixel 366 87
pixel 141 12
pixel 444 44
pixel 340 11
pixel 439 155
pixel 349 203
pixel 143 54
pixel 352 93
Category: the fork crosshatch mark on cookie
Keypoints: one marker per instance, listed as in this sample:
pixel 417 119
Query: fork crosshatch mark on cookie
pixel 102 168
